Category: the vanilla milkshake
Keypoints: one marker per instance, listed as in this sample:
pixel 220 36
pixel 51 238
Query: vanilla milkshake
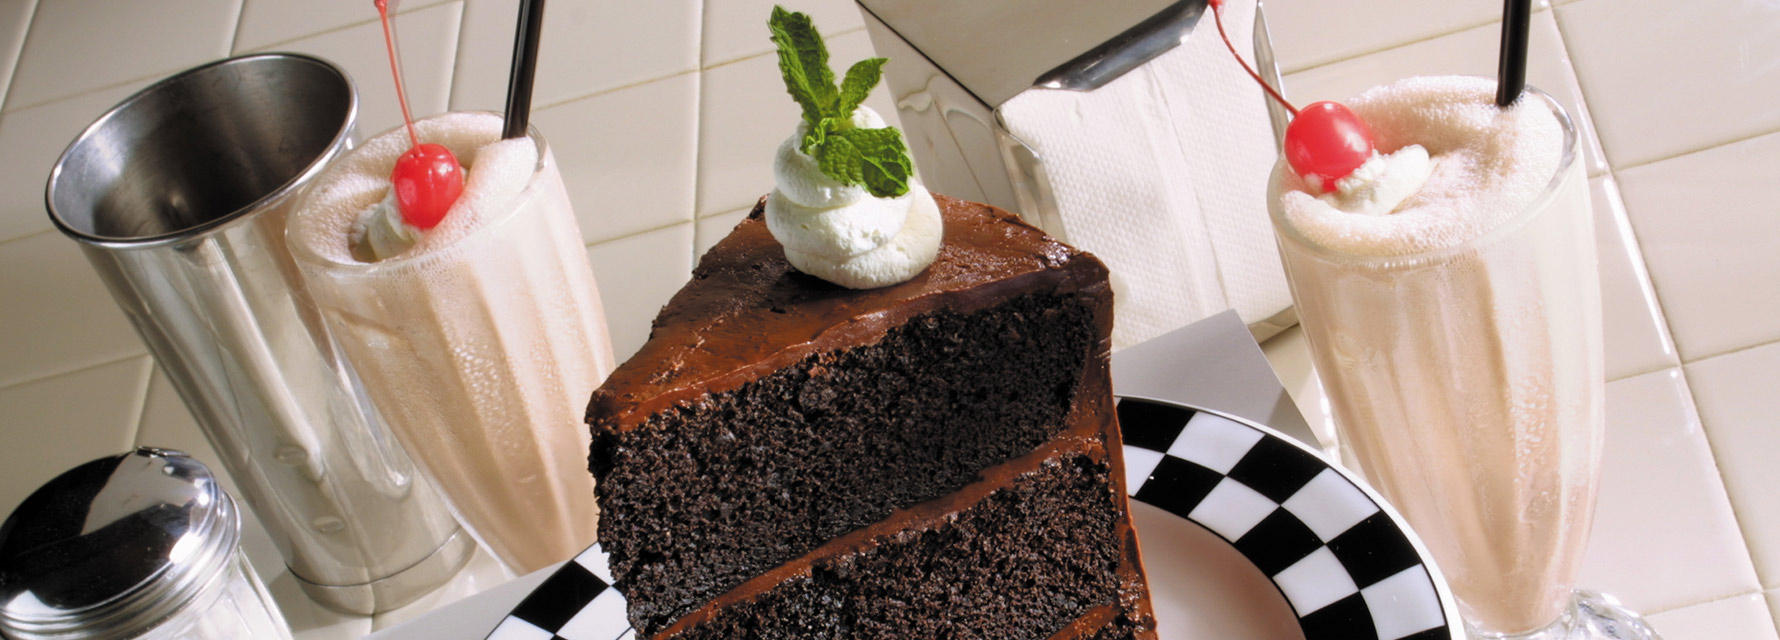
pixel 1451 300
pixel 478 339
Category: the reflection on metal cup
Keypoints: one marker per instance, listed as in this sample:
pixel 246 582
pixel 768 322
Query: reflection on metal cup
pixel 177 196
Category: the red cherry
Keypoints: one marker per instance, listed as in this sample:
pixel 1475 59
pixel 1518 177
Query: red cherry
pixel 1328 141
pixel 427 179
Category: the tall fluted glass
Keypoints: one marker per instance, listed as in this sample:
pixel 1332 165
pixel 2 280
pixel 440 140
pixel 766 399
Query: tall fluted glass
pixel 1468 381
pixel 481 354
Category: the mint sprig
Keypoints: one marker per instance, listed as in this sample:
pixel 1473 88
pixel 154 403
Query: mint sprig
pixel 874 158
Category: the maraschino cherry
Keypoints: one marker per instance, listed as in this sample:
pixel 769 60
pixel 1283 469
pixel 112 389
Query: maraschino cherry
pixel 1326 141
pixel 427 179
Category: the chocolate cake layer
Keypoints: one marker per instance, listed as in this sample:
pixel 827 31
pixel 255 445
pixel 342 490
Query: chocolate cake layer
pixel 1019 557
pixel 700 498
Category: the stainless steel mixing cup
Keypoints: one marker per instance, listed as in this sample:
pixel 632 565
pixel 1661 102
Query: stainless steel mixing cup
pixel 178 198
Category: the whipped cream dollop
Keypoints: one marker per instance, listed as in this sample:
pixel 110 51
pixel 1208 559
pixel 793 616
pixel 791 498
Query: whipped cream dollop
pixel 381 233
pixel 843 234
pixel 1380 184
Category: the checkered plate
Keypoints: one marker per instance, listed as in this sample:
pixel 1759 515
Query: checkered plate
pixel 1343 559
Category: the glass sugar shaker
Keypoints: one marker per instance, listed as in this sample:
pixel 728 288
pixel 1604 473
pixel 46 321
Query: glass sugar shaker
pixel 143 545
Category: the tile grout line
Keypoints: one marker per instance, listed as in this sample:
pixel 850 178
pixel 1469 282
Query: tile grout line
pixel 1397 45
pixel 235 36
pixel 698 120
pixel 612 90
pixel 457 47
pixel 78 369
pixel 1709 146
pixel 751 56
pixel 1758 591
pixel 354 25
pixel 13 73
pixel 141 412
pixel 650 230
pixel 1743 531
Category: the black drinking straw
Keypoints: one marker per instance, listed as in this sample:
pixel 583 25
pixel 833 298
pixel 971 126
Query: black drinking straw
pixel 525 69
pixel 1511 71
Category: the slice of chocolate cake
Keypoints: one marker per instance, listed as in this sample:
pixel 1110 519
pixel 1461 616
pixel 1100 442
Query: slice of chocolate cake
pixel 787 458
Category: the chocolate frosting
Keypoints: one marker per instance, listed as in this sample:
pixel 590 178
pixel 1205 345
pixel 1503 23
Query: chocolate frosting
pixel 747 313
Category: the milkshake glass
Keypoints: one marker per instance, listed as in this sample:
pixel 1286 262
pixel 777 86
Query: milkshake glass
pixel 481 344
pixel 1467 376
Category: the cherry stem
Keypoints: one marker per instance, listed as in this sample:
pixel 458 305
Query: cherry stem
pixel 1218 16
pixel 395 69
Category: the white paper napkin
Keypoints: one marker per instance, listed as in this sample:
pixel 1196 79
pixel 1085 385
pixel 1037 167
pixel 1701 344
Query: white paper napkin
pixel 1162 173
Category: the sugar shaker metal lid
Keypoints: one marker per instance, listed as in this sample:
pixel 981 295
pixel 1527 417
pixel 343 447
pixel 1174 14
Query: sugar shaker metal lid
pixel 114 546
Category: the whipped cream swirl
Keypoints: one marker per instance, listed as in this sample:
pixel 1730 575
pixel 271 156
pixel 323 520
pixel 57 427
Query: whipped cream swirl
pixel 380 231
pixel 1382 183
pixel 841 233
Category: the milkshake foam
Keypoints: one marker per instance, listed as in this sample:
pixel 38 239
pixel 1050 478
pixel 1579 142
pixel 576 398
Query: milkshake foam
pixel 1459 339
pixel 1489 163
pixel 481 342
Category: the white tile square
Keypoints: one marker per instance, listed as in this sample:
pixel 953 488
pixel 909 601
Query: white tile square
pixel 1315 582
pixel 596 561
pixel 516 629
pixel 1738 405
pixel 1214 442
pixel 57 316
pixel 736 29
pixel 1330 505
pixel 1636 333
pixel 1706 223
pixel 588 46
pixel 1404 603
pixel 1139 464
pixel 15 21
pixel 1743 617
pixel 269 22
pixel 31 140
pixel 51 425
pixel 714 228
pixel 427 40
pixel 744 113
pixel 1307 33
pixel 602 619
pixel 1662 86
pixel 168 424
pixel 627 156
pixel 636 276
pixel 1232 509
pixel 1664 534
pixel 81 46
pixel 1467 52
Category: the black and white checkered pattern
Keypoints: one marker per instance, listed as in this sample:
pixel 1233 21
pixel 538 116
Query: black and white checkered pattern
pixel 575 603
pixel 1345 566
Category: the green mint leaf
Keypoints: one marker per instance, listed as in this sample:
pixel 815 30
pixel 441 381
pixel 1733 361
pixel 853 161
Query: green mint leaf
pixel 803 61
pixel 886 167
pixel 840 159
pixel 874 158
pixel 861 77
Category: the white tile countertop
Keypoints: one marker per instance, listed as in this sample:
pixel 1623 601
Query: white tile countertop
pixel 664 115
